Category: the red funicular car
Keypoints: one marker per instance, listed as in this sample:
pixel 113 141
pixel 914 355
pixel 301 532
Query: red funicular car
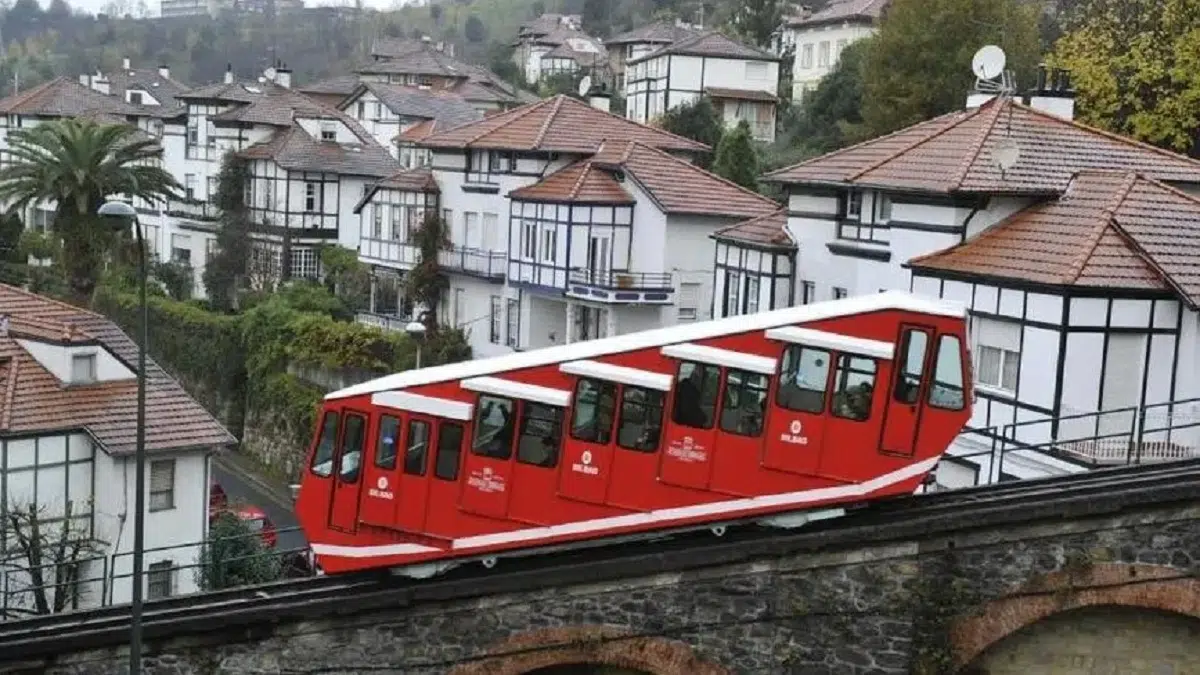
pixel 774 418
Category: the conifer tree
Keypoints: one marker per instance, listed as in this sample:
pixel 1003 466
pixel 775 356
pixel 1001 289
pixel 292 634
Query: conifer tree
pixel 736 159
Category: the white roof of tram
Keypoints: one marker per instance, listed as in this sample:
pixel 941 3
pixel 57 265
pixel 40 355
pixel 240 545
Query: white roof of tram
pixel 658 337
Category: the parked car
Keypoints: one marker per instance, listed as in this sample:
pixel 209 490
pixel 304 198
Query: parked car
pixel 253 516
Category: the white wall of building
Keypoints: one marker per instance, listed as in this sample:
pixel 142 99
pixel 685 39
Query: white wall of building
pixel 810 43
pixel 657 85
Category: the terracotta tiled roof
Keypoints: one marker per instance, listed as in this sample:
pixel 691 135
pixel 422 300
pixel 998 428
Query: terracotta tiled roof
pixel 838 11
pixel 32 400
pixel 579 183
pixel 662 32
pixel 559 124
pixel 767 231
pixel 295 150
pixel 741 94
pixel 586 57
pixel 339 84
pixel 547 23
pixel 165 90
pixel 1109 229
pixel 409 180
pixel 679 186
pixel 277 106
pixel 62 97
pixel 424 60
pixel 711 44
pixel 444 106
pixel 953 154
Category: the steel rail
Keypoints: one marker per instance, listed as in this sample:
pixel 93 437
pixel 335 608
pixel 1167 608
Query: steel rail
pixel 918 516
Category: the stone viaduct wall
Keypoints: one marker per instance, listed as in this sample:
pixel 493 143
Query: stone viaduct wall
pixel 1001 600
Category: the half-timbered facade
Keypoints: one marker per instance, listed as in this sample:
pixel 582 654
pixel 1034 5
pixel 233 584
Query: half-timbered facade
pixel 389 216
pixel 753 267
pixel 741 81
pixel 67 419
pixel 819 37
pixel 639 42
pixel 387 110
pixel 860 215
pixel 305 182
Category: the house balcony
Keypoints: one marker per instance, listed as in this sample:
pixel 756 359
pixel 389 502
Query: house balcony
pixel 191 209
pixel 389 253
pixel 621 287
pixel 388 322
pixel 475 262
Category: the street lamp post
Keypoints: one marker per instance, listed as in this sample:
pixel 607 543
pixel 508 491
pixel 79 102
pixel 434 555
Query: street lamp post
pixel 416 330
pixel 120 213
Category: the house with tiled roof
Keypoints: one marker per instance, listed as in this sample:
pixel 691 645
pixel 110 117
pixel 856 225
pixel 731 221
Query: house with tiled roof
pixel 818 38
pixel 309 164
pixel 754 264
pixel 555 43
pixel 1070 247
pixel 640 41
pixel 741 81
pixel 480 169
pixel 387 110
pixel 96 97
pixel 68 423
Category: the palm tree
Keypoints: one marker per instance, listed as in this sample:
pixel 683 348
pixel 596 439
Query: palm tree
pixel 78 164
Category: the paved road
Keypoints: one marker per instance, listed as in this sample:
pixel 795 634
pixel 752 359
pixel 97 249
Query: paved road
pixel 231 476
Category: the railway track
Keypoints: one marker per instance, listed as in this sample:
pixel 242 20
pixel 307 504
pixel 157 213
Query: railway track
pixel 923 516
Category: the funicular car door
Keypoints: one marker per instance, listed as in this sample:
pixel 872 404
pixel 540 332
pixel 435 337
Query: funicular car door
pixel 902 418
pixel 741 422
pixel 796 426
pixel 588 451
pixel 488 465
pixel 413 484
pixel 379 475
pixel 343 507
pixel 690 434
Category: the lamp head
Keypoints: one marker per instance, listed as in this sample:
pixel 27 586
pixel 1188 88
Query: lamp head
pixel 415 329
pixel 119 214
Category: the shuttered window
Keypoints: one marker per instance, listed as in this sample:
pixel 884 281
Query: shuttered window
pixel 162 485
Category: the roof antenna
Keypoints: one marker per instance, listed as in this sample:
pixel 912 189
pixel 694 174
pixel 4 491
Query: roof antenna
pixel 988 64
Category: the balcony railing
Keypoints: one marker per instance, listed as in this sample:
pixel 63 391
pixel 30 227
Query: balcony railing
pixel 192 210
pixel 620 286
pixel 385 321
pixel 487 264
pixel 403 254
pixel 1162 432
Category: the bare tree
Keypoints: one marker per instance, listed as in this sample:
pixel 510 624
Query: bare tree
pixel 44 560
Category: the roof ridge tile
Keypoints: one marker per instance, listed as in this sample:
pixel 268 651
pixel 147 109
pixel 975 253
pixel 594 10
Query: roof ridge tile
pixel 1107 213
pixel 920 141
pixel 972 153
pixel 549 121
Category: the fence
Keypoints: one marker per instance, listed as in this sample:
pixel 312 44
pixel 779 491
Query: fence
pixel 106 580
pixel 1159 432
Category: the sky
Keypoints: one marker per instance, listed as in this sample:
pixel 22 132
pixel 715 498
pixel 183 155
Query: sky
pixel 96 6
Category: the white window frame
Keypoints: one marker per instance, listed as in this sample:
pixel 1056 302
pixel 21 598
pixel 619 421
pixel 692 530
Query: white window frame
pixel 996 346
pixel 157 586
pixel 88 362
pixel 165 495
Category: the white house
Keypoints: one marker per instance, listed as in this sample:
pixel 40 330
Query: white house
pixel 492 295
pixel 741 81
pixel 67 438
pixel 555 43
pixel 818 38
pixel 305 182
pixel 641 41
pixel 867 217
pixel 387 110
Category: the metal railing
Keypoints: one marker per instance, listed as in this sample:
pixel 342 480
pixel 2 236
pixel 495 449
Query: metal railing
pixel 384 321
pixel 1161 432
pixel 193 210
pixel 105 580
pixel 391 250
pixel 617 279
pixel 489 264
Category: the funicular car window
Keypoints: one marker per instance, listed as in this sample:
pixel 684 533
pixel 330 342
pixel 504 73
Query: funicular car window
pixel 696 389
pixel 541 434
pixel 385 447
pixel 592 418
pixel 494 427
pixel 803 377
pixel 322 464
pixel 352 448
pixel 641 418
pixel 947 389
pixel 854 387
pixel 908 380
pixel 418 448
pixel 449 447
pixel 744 406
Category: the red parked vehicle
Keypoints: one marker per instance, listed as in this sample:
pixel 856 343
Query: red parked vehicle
pixel 778 418
pixel 255 518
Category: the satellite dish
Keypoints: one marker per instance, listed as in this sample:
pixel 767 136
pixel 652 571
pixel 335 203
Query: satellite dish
pixel 585 85
pixel 1005 154
pixel 988 62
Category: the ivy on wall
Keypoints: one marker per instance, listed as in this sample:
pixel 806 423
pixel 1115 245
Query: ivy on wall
pixel 237 364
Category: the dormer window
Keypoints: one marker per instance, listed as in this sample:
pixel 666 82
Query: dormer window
pixel 328 131
pixel 83 368
pixel 135 97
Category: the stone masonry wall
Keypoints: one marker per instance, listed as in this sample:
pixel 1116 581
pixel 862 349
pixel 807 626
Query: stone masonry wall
pixel 907 607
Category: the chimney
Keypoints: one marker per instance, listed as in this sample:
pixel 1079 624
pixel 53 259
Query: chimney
pixel 100 83
pixel 283 76
pixel 125 64
pixel 229 73
pixel 85 80
pixel 1054 96
pixel 164 72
